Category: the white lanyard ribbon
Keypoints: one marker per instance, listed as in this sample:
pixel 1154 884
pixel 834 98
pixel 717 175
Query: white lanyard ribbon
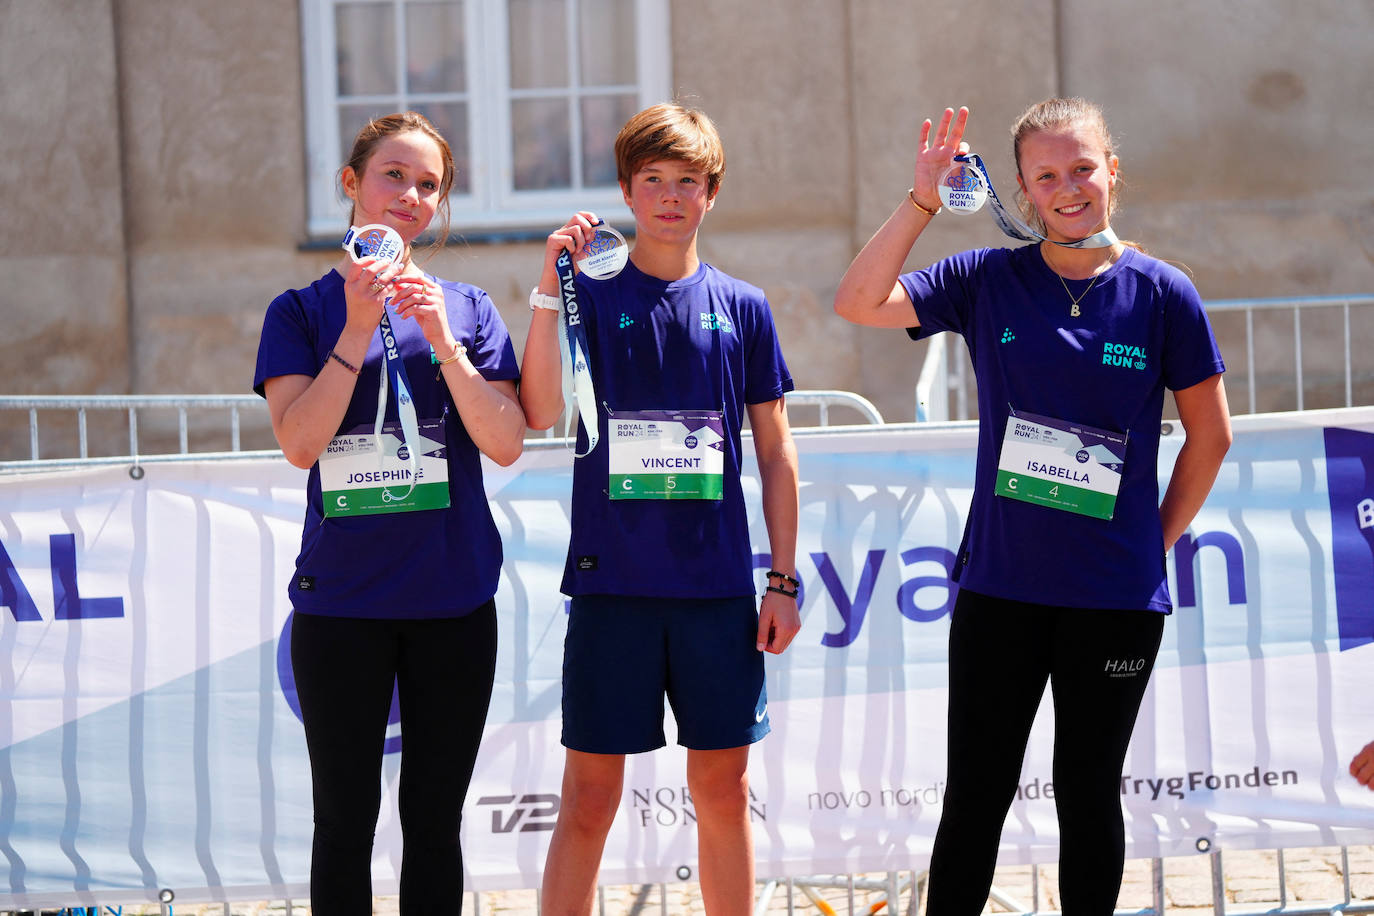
pixel 1015 228
pixel 393 368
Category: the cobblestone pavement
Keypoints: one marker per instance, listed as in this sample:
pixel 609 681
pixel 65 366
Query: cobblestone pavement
pixel 1312 876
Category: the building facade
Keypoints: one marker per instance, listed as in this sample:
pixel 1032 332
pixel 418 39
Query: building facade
pixel 169 166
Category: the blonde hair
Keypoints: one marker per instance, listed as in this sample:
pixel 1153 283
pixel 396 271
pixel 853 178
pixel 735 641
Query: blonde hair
pixel 1055 114
pixel 670 131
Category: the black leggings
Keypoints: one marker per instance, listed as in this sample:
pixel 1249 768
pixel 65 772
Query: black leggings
pixel 1001 653
pixel 344 670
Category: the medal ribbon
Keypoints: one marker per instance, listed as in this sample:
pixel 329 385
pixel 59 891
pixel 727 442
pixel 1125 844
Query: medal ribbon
pixel 573 345
pixel 1015 228
pixel 393 369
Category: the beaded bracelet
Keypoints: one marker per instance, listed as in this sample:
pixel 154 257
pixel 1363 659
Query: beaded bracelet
pixel 774 574
pixel 343 362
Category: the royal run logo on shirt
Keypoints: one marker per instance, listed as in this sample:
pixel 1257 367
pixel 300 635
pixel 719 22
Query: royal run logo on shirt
pixel 1350 489
pixel 714 321
pixel 1127 356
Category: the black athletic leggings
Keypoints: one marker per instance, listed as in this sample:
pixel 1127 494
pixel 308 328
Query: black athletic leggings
pixel 344 670
pixel 1000 655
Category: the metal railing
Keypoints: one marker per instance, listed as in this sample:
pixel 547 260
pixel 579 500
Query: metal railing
pixel 893 886
pixel 187 407
pixel 1298 307
pixel 82 406
pixel 943 388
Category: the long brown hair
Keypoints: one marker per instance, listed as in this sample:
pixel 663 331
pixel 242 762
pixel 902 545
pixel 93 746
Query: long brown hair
pixel 378 129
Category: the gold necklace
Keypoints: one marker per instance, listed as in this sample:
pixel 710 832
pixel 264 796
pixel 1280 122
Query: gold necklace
pixel 1075 311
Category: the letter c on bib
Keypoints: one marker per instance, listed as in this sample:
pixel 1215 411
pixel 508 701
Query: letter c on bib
pixel 626 485
pixel 1011 483
pixel 341 502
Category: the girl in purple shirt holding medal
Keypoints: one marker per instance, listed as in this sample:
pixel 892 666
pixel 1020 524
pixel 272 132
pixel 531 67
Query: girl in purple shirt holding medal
pixel 388 384
pixel 1074 339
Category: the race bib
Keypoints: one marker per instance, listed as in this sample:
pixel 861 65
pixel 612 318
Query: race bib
pixel 1061 465
pixel 666 454
pixel 354 482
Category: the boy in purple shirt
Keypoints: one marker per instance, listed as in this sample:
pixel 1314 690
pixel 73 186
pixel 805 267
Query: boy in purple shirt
pixel 661 582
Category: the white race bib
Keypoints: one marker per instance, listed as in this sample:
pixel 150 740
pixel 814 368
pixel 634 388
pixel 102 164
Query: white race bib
pixel 666 454
pixel 1061 465
pixel 354 482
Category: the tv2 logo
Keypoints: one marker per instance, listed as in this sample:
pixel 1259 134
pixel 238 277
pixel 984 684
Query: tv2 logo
pixel 531 813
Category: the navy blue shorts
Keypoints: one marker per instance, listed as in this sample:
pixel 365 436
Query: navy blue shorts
pixel 622 655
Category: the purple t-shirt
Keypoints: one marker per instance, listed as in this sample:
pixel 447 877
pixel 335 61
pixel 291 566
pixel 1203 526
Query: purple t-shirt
pixel 1142 329
pixel 431 563
pixel 705 342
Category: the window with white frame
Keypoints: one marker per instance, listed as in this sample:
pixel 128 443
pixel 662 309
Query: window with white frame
pixel 529 93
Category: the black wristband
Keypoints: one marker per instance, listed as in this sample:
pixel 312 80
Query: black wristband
pixel 782 591
pixel 774 574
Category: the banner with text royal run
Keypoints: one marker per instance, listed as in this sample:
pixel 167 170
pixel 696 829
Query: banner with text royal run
pixel 149 736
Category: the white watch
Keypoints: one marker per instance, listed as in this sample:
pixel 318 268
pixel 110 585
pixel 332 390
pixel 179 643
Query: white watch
pixel 540 301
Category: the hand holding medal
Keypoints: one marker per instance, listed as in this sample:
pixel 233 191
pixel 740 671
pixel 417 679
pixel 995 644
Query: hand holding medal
pixel 938 148
pixel 378 255
pixel 963 188
pixel 604 253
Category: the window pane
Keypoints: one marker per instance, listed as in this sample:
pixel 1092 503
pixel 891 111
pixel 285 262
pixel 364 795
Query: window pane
pixel 543 151
pixel 451 120
pixel 367 48
pixel 351 120
pixel 602 118
pixel 437 39
pixel 607 33
pixel 539 44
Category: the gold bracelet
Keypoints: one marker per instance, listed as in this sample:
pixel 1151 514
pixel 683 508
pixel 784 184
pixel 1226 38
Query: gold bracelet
pixel 458 350
pixel 911 196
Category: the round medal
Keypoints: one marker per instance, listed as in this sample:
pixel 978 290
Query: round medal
pixel 605 253
pixel 374 241
pixel 963 188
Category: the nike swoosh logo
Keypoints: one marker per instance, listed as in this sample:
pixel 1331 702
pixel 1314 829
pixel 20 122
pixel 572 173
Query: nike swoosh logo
pixel 758 716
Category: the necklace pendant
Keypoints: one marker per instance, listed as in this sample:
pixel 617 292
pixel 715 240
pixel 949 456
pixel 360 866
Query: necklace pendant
pixel 1074 312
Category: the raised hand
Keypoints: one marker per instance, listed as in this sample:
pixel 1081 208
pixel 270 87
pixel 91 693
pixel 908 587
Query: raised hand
pixel 937 150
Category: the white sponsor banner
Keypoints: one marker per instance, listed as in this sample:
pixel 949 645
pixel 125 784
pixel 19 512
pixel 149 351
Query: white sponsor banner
pixel 146 741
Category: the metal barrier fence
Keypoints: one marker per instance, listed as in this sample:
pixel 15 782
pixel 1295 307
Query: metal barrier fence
pixel 183 407
pixel 1327 325
pixel 894 884
pixel 81 407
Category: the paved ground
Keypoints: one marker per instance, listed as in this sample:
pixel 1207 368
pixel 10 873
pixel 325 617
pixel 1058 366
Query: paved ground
pixel 1312 876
